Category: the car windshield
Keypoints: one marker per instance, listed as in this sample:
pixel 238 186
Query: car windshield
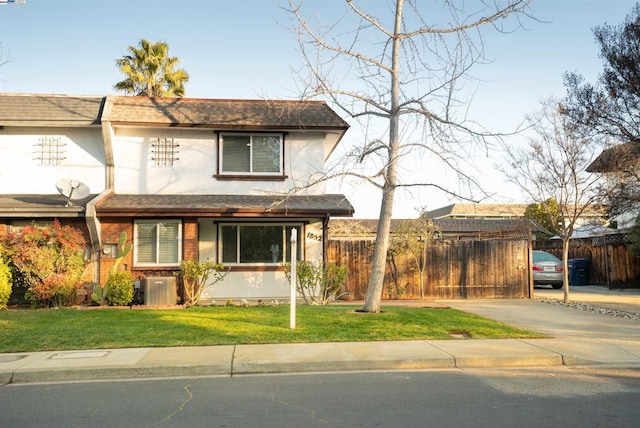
pixel 541 256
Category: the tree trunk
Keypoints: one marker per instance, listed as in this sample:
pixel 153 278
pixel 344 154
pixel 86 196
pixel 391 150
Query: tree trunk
pixel 565 266
pixel 376 281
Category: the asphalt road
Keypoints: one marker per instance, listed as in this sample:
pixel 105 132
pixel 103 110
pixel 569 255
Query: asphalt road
pixel 456 398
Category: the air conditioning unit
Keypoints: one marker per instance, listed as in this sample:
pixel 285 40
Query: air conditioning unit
pixel 160 290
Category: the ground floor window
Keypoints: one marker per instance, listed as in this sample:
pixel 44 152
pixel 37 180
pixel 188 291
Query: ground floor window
pixel 258 243
pixel 157 242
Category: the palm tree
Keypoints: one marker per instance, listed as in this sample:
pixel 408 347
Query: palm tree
pixel 150 71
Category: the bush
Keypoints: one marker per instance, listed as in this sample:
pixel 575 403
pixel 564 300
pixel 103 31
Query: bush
pixel 48 261
pixel 5 283
pixel 316 282
pixel 121 288
pixel 195 277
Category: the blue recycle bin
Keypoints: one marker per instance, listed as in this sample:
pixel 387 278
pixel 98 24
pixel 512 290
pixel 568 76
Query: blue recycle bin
pixel 578 271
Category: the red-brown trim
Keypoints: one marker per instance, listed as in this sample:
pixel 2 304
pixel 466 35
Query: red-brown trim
pixel 229 177
pixel 249 177
pixel 253 268
pixel 214 213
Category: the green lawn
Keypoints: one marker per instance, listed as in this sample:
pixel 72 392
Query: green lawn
pixel 23 330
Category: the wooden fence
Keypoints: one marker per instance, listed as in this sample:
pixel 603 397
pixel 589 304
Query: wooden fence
pixel 454 269
pixel 611 263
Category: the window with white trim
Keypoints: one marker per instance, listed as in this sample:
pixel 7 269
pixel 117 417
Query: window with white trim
pixel 257 243
pixel 259 154
pixel 157 242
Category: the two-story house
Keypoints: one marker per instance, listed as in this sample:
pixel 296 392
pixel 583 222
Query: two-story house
pixel 186 179
pixel 620 165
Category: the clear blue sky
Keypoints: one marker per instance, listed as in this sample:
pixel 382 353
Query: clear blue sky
pixel 240 49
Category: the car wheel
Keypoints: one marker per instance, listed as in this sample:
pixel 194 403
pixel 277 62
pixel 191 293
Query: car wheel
pixel 556 286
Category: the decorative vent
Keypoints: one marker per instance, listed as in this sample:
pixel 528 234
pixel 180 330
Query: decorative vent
pixel 164 152
pixel 49 151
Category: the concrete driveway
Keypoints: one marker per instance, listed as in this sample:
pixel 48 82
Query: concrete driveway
pixel 560 321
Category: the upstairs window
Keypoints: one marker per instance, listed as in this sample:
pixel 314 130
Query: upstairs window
pixel 251 154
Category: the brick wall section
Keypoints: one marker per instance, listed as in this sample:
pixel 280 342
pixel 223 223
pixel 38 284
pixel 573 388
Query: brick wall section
pixel 190 239
pixel 111 228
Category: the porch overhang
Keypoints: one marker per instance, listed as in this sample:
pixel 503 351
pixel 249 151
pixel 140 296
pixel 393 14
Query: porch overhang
pixel 246 206
pixel 41 206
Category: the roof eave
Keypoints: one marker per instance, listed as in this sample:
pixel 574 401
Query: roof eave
pixel 67 212
pixel 218 212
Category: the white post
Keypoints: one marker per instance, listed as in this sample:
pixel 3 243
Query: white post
pixel 294 278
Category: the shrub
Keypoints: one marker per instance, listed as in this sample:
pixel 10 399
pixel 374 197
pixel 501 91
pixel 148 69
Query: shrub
pixel 318 283
pixel 5 283
pixel 48 261
pixel 121 288
pixel 195 275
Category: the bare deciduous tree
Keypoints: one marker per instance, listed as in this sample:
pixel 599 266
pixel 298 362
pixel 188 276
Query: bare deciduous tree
pixel 551 169
pixel 610 110
pixel 403 79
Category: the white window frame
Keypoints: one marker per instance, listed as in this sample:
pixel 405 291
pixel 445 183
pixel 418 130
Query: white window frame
pixel 280 138
pixel 283 252
pixel 136 243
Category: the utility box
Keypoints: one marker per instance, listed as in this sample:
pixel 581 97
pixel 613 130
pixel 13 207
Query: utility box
pixel 160 290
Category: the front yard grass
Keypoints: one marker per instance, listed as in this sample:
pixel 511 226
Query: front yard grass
pixel 28 330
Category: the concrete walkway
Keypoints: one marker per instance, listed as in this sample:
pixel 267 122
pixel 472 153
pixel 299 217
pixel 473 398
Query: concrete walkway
pixel 576 338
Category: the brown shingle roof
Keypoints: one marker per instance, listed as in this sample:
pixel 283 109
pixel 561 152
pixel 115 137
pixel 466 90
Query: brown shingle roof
pixel 223 205
pixel 60 110
pixel 49 110
pixel 616 158
pixel 224 114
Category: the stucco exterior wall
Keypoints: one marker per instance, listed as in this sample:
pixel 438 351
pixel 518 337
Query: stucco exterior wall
pixel 81 158
pixel 196 160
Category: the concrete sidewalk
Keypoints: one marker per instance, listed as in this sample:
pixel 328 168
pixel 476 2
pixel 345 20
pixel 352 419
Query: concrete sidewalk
pixel 576 338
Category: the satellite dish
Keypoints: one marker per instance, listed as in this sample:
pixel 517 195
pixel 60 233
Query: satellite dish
pixel 73 190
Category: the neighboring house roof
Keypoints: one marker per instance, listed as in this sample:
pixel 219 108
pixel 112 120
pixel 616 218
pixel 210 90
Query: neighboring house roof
pixel 616 157
pixel 223 205
pixel 20 206
pixel 224 114
pixel 478 210
pixel 450 227
pixel 50 110
pixel 466 226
